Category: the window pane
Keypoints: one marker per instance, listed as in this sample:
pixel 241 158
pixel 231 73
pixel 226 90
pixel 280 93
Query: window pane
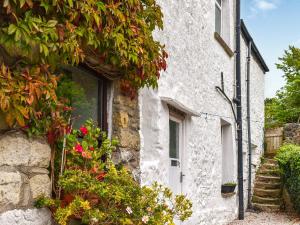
pixel 174 139
pixel 86 104
pixel 218 20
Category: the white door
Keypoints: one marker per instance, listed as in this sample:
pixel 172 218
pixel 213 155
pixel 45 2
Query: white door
pixel 176 176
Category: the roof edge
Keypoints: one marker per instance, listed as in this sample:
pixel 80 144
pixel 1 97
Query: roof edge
pixel 255 50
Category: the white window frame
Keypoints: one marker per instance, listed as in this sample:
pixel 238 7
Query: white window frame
pixel 221 22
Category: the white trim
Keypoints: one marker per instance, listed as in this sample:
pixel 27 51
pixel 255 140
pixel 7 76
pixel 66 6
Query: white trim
pixel 180 106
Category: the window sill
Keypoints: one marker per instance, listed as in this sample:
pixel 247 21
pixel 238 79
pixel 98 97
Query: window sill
pixel 224 45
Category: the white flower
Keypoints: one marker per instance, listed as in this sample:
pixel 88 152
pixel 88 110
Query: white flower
pixel 129 210
pixel 145 219
pixel 95 220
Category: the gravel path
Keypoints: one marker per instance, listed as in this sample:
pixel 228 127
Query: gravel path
pixel 268 219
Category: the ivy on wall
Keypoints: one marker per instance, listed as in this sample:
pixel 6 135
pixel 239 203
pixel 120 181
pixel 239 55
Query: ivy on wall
pixel 37 36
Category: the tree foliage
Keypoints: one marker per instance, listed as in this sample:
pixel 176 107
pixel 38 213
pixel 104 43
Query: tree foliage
pixel 285 107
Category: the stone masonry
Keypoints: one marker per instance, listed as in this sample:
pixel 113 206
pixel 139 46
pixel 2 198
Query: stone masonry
pixel 292 133
pixel 126 126
pixel 23 178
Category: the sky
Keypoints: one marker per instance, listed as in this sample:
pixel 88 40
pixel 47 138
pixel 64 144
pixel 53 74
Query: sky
pixel 274 25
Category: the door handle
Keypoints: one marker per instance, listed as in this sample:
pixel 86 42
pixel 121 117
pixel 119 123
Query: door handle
pixel 181 177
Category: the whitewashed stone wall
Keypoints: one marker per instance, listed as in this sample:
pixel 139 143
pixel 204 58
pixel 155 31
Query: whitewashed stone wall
pixel 23 178
pixel 195 63
pixel 257 84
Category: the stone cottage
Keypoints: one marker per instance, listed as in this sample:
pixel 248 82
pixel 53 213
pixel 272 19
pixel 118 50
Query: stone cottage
pixel 183 134
pixel 187 127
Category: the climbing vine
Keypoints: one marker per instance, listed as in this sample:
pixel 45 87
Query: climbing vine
pixel 38 36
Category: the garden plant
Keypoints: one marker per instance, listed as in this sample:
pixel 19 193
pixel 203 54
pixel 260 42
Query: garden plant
pixel 288 158
pixel 95 191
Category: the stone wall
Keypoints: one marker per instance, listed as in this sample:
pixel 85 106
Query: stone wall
pixel 125 127
pixel 291 133
pixel 23 178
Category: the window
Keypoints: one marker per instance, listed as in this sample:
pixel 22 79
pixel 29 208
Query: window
pixel 174 139
pixel 218 16
pixel 228 172
pixel 90 99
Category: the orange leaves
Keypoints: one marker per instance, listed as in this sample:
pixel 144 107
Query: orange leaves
pixel 24 93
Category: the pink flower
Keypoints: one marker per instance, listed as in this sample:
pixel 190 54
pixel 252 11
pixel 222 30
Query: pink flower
pixel 84 130
pixel 83 154
pixel 79 148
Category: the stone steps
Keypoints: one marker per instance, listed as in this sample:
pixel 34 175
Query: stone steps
pixel 267 201
pixel 270 172
pixel 267 194
pixel 268 179
pixel 270 161
pixel 268 166
pixel 263 185
pixel 266 207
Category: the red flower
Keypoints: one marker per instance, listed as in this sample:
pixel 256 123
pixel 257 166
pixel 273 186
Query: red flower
pixel 79 148
pixel 84 130
pixel 92 148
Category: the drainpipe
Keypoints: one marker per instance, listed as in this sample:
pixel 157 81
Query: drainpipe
pixel 249 125
pixel 239 110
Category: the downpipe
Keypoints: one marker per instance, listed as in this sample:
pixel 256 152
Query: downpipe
pixel 249 127
pixel 239 111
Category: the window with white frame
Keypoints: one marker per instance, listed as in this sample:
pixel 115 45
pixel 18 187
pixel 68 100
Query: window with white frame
pixel 222 19
pixel 218 16
pixel 227 152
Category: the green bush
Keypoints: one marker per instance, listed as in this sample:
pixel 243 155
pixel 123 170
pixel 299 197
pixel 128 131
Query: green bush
pixel 288 158
pixel 96 192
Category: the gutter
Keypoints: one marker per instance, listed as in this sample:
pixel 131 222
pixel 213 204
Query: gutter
pixel 254 48
pixel 239 111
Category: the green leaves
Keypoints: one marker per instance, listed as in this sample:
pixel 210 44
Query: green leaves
pixel 120 33
pixel 288 158
pixel 285 107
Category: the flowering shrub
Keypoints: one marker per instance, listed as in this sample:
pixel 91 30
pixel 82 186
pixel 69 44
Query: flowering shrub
pixel 96 192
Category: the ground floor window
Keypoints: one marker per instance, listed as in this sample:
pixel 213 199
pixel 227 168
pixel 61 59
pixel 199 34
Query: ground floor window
pixel 90 98
pixel 227 152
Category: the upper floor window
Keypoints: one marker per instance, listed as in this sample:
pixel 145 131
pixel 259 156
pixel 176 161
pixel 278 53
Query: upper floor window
pixel 223 21
pixel 218 16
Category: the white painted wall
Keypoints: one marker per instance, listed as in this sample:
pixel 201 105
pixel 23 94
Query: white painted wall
pixel 195 63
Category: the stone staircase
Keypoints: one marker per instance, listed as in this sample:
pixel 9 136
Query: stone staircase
pixel 267 194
